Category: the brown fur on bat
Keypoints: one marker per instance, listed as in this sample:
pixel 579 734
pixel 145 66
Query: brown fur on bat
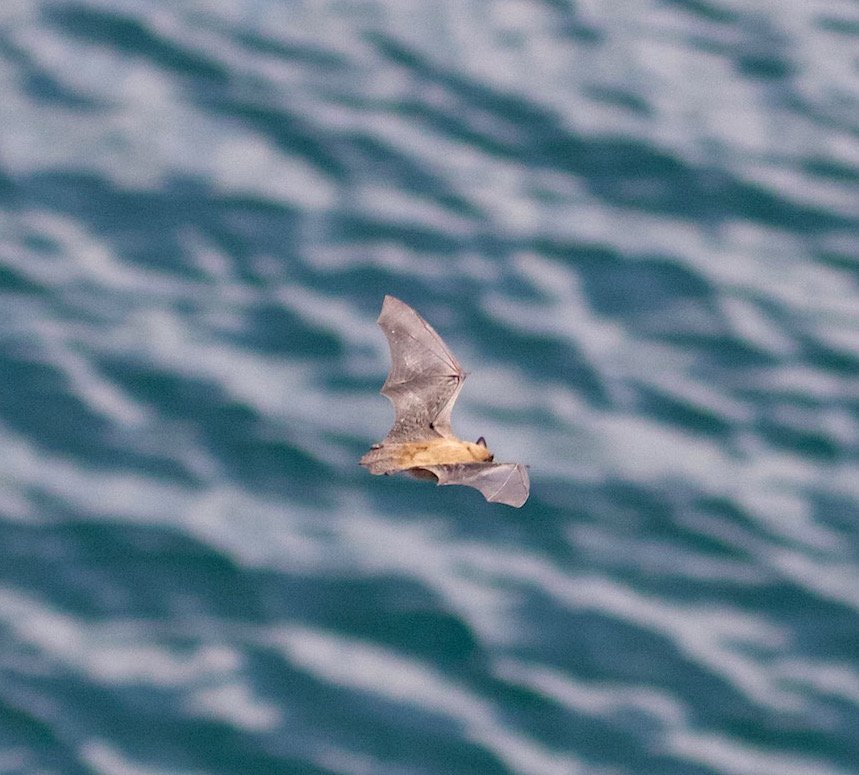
pixel 423 384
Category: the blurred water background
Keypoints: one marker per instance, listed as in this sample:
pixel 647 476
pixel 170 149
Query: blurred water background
pixel 637 226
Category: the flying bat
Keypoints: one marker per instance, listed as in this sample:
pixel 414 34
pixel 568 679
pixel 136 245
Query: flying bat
pixel 423 384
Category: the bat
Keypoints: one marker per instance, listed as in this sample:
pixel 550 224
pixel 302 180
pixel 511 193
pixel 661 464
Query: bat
pixel 423 384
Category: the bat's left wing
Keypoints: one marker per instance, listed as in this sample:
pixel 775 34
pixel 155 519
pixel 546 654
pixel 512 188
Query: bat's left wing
pixel 506 483
pixel 425 378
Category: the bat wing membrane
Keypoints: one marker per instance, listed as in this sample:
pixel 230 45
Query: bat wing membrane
pixel 506 483
pixel 425 377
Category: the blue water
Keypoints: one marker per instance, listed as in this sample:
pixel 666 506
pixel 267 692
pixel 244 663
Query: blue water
pixel 636 225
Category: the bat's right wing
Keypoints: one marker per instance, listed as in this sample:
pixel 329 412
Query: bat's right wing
pixel 506 483
pixel 425 378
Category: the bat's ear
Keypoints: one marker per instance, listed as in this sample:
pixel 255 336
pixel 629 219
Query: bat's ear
pixel 481 442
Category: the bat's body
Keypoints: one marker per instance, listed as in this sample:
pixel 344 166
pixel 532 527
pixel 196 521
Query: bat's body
pixel 387 458
pixel 423 384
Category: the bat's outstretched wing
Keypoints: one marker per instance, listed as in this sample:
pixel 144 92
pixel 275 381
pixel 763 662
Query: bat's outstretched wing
pixel 499 482
pixel 425 378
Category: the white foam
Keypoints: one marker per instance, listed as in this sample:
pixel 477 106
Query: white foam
pixel 614 547
pixel 828 679
pixel 753 326
pixel 105 759
pixel 717 637
pixel 163 134
pixel 348 662
pixel 117 653
pixel 730 757
pixel 599 699
pixel 234 704
pixel 834 579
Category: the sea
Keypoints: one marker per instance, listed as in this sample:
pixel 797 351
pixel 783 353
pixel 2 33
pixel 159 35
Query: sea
pixel 636 225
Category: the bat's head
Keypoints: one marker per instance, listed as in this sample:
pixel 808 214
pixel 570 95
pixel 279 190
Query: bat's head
pixel 479 451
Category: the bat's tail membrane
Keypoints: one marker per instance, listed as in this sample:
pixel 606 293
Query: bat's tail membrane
pixel 380 460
